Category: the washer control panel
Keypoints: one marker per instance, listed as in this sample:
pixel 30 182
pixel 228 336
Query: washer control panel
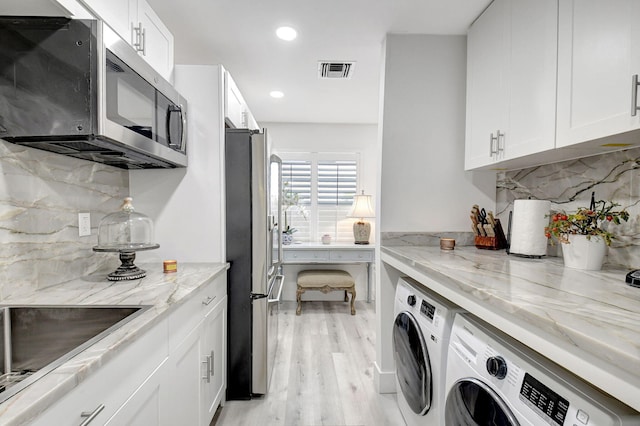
pixel 540 397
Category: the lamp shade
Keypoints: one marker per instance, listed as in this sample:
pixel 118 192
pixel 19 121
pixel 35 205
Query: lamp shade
pixel 362 206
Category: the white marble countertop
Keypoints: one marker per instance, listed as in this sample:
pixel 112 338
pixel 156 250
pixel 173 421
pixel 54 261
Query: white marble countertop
pixel 162 291
pixel 586 321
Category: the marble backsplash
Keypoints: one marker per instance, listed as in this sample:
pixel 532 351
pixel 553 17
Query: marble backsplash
pixel 394 239
pixel 569 184
pixel 41 194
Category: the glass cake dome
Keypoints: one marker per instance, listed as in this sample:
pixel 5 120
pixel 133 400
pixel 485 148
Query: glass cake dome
pixel 126 232
pixel 126 229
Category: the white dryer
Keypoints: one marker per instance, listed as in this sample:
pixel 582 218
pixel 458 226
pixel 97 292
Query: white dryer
pixel 494 380
pixel 421 332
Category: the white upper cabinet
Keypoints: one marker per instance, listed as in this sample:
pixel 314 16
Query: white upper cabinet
pixel 511 82
pixel 599 55
pixel 486 91
pixel 236 111
pixel 156 43
pixel 137 23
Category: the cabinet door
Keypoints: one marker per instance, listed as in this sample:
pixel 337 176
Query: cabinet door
pixel 531 77
pixel 118 14
pixel 233 104
pixel 186 373
pixel 158 41
pixel 214 331
pixel 145 406
pixel 598 57
pixel 486 91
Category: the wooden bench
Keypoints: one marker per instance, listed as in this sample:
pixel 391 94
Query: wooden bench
pixel 326 280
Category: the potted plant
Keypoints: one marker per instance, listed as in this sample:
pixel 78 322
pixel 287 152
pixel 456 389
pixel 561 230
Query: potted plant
pixel 290 201
pixel 584 235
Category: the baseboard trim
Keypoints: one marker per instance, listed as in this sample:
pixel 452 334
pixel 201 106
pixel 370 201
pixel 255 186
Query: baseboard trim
pixel 385 381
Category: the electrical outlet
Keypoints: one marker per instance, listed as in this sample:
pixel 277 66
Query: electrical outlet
pixel 84 224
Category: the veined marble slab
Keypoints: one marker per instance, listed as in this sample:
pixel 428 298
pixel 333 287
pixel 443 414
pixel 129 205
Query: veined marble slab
pixel 425 238
pixel 586 321
pixel 41 194
pixel 164 292
pixel 569 184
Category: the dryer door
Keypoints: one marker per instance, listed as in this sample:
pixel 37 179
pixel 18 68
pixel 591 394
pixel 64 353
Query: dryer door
pixel 413 368
pixel 472 403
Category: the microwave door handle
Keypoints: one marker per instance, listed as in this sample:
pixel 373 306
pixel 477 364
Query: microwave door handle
pixel 178 109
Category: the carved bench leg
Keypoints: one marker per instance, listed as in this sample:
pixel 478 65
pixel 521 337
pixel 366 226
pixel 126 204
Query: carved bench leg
pixel 299 300
pixel 353 300
pixel 346 298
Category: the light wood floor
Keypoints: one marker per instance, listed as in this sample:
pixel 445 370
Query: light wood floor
pixel 323 373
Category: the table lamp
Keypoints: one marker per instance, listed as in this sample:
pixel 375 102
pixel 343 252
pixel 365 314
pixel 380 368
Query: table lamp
pixel 361 208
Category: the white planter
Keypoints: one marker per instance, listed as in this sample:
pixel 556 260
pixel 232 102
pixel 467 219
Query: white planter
pixel 287 239
pixel 583 253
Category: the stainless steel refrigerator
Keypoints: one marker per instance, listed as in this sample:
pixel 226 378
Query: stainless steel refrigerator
pixel 254 250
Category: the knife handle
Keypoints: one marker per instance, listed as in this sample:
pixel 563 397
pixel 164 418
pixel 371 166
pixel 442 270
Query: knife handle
pixel 481 229
pixel 491 219
pixel 488 229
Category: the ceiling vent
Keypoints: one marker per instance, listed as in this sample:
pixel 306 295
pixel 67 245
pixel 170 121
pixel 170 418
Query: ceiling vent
pixel 335 69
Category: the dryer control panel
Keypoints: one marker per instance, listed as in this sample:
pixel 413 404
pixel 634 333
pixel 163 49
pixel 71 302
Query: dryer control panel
pixel 427 309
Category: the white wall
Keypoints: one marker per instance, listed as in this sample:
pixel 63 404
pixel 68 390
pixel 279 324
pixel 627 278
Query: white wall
pixel 187 205
pixel 424 187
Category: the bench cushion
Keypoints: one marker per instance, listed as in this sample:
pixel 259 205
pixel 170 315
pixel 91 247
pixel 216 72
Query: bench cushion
pixel 325 277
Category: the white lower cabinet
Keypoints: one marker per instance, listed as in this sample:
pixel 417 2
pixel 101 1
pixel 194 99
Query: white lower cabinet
pixel 174 374
pixel 197 364
pixel 145 406
pixel 214 329
pixel 115 385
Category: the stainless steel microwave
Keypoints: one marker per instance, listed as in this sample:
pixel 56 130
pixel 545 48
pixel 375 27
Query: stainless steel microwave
pixel 74 87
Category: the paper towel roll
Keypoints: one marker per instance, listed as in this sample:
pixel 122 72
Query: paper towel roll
pixel 527 227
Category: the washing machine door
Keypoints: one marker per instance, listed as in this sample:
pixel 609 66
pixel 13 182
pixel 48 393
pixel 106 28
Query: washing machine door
pixel 413 368
pixel 472 403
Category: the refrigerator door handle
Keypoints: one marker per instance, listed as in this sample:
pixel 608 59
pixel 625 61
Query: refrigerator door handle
pixel 256 296
pixel 281 279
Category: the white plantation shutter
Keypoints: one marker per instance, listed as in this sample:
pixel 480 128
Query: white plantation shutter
pixel 325 188
pixel 296 180
pixel 337 184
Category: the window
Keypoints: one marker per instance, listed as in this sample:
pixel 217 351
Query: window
pixel 318 194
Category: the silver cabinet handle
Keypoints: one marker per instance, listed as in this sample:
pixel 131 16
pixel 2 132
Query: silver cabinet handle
pixel 139 34
pixel 208 300
pixel 211 372
pixel 90 416
pixel 499 146
pixel 634 95
pixel 492 140
pixel 144 41
pixel 208 376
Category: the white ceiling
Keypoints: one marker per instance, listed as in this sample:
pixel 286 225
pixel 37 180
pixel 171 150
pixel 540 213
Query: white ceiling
pixel 240 35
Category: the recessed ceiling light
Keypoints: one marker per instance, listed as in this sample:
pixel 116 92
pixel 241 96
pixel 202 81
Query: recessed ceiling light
pixel 276 94
pixel 286 33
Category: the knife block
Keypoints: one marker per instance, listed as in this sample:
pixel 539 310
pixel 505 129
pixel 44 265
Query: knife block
pixel 492 243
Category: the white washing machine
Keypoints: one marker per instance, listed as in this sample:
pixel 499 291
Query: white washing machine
pixel 494 380
pixel 421 332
